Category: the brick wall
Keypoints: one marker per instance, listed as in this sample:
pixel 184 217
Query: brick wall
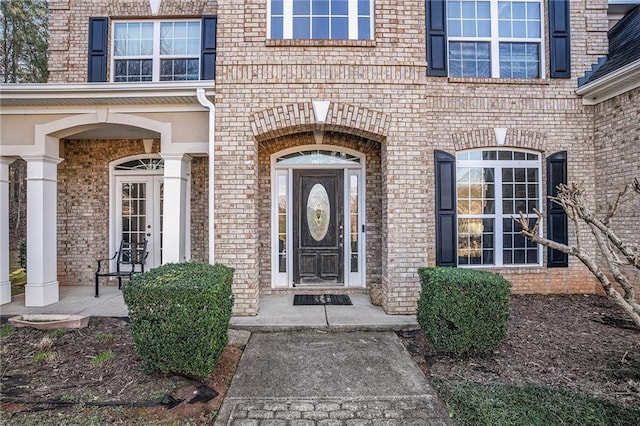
pixel 407 114
pixel 388 75
pixel 617 162
pixel 69 26
pixel 83 205
pixel 200 209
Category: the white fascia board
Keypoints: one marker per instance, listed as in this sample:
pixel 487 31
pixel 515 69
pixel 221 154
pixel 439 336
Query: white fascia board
pixel 103 90
pixel 620 81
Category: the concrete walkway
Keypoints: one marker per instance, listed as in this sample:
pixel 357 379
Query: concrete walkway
pixel 317 365
pixel 329 378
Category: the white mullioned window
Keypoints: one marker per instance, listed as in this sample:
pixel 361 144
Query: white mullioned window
pixel 495 38
pixel 320 19
pixel 156 50
pixel 493 186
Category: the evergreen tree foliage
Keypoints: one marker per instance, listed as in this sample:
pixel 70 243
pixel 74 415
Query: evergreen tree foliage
pixel 23 41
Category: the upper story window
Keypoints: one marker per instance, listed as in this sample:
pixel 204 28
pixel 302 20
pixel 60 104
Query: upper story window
pixel 494 38
pixel 152 50
pixel 493 186
pixel 156 51
pixel 321 19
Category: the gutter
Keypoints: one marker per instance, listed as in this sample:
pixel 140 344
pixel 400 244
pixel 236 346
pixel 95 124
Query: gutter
pixel 613 84
pixel 200 92
pixel 88 90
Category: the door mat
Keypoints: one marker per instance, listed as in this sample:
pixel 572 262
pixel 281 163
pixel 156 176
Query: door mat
pixel 321 299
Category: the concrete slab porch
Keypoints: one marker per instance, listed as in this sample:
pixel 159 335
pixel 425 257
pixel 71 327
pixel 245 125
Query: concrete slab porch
pixel 276 312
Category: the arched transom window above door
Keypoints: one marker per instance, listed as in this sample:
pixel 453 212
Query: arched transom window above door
pixel 149 164
pixel 317 156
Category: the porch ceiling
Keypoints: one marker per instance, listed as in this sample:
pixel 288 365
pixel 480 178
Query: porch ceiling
pixel 46 95
pixel 112 131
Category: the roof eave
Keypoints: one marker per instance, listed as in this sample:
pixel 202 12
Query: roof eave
pixel 64 93
pixel 611 85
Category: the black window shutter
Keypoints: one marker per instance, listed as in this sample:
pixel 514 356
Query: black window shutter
pixel 559 40
pixel 446 240
pixel 208 59
pixel 556 216
pixel 98 41
pixel 436 38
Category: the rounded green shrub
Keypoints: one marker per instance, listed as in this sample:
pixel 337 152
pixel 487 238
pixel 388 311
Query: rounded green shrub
pixel 180 315
pixel 463 311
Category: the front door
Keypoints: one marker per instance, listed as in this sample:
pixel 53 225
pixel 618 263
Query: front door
pixel 318 234
pixel 138 214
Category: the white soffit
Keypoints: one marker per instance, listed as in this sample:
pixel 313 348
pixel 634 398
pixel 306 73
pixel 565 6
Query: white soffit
pixel 34 95
pixel 611 85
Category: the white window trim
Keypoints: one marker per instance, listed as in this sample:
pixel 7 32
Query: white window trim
pixel 114 203
pixel 498 231
pixel 155 57
pixel 285 279
pixel 287 20
pixel 495 39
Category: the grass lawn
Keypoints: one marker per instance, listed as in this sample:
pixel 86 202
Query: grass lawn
pixel 17 275
pixel 500 404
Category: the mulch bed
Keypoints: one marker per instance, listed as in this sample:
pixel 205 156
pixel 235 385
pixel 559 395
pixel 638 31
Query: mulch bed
pixel 70 384
pixel 579 343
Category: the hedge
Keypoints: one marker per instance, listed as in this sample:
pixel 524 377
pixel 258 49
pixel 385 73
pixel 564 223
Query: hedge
pixel 180 315
pixel 463 310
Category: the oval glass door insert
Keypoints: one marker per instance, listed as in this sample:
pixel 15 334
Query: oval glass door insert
pixel 318 212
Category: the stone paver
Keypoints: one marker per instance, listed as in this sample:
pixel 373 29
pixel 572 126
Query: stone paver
pixel 414 410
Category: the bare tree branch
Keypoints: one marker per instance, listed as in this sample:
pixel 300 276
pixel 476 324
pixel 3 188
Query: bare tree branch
pixel 573 201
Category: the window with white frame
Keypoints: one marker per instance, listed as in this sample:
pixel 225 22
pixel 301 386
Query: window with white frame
pixel 321 19
pixel 493 186
pixel 495 38
pixel 156 51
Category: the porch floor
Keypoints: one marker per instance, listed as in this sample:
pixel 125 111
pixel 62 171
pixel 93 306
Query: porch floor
pixel 276 312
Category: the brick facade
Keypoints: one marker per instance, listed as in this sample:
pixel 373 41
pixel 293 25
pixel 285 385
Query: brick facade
pixel 200 209
pixel 69 24
pixel 381 103
pixel 618 162
pixel 421 114
pixel 83 205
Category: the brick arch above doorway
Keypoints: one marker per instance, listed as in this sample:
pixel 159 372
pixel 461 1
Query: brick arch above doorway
pixel 486 137
pixel 289 119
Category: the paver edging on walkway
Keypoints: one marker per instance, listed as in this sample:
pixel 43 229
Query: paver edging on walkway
pixel 398 410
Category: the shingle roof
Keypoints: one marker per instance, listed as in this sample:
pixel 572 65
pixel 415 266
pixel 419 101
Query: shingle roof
pixel 624 47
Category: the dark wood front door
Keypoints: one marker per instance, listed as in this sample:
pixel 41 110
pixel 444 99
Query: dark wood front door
pixel 318 227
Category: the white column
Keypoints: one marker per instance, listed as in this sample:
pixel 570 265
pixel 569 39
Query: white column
pixel 5 283
pixel 42 228
pixel 174 225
